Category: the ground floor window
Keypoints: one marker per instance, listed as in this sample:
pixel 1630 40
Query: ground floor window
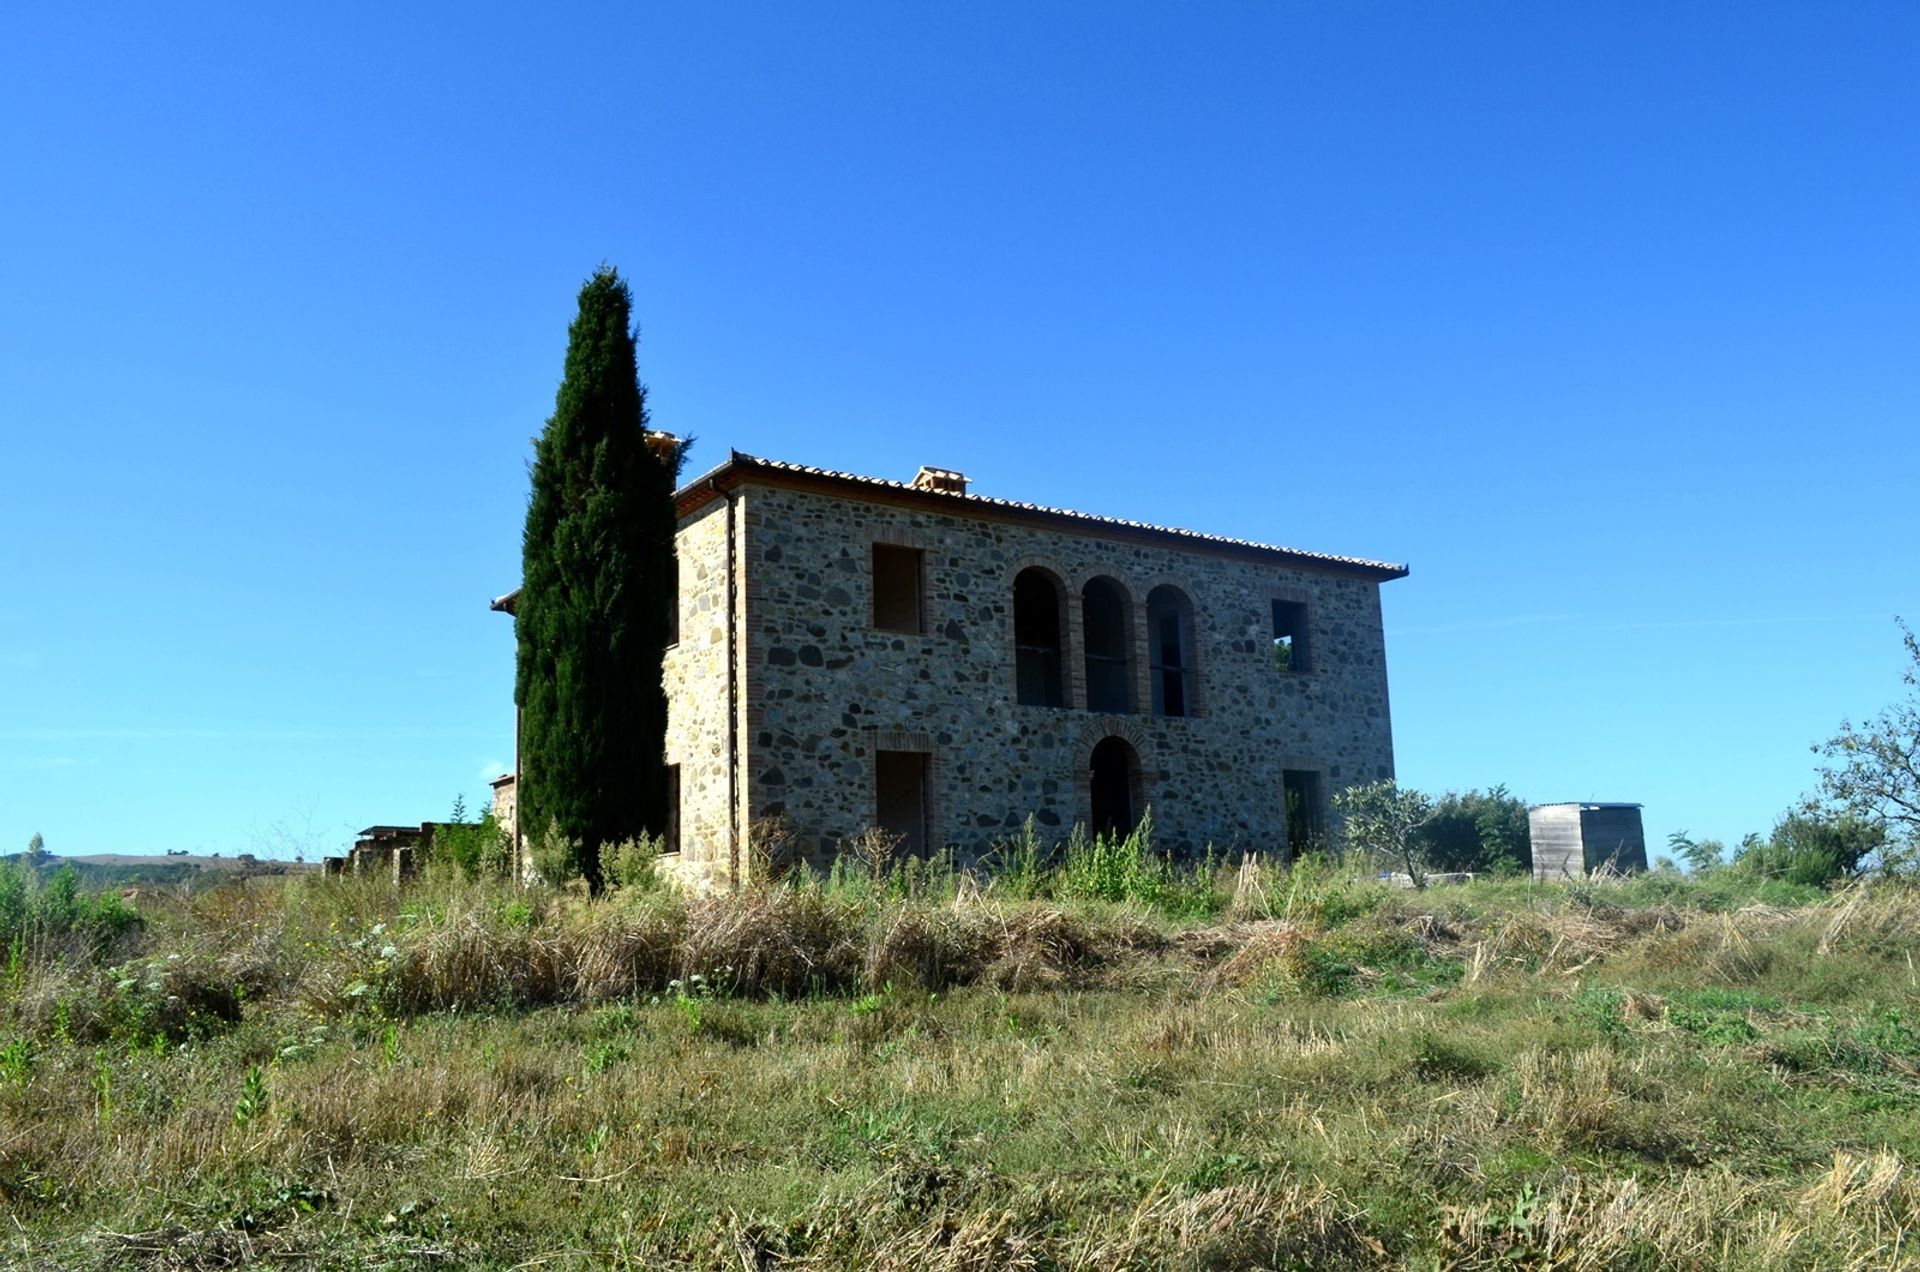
pixel 1305 810
pixel 671 840
pixel 901 802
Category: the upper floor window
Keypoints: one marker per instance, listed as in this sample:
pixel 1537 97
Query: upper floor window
pixel 1039 679
pixel 1169 642
pixel 1292 647
pixel 1107 638
pixel 897 606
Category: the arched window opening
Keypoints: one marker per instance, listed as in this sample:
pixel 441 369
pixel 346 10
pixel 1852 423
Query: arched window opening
pixel 1037 662
pixel 1115 787
pixel 1169 640
pixel 1107 640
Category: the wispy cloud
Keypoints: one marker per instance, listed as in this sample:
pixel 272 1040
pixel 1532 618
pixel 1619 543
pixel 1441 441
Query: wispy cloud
pixel 19 658
pixel 490 769
pixel 45 762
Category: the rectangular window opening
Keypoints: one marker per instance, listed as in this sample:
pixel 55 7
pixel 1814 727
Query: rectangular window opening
pixel 671 842
pixel 1037 676
pixel 673 604
pixel 900 783
pixel 1292 651
pixel 1305 825
pixel 896 589
pixel 1169 665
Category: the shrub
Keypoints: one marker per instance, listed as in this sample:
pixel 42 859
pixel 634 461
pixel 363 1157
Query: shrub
pixel 49 917
pixel 555 857
pixel 1811 850
pixel 1126 868
pixel 1477 831
pixel 633 863
pixel 481 849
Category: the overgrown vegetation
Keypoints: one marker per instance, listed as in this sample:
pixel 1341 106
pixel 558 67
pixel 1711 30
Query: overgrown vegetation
pixel 479 849
pixel 1089 1060
pixel 1804 848
pixel 51 916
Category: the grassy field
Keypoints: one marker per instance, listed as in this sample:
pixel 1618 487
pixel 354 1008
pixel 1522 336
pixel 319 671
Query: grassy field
pixel 1255 1070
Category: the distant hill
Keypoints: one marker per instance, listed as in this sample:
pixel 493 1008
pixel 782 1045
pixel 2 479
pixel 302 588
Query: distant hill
pixel 120 870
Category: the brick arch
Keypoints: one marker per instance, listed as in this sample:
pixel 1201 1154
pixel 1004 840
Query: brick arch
pixel 1078 583
pixel 1181 585
pixel 1099 729
pixel 1033 561
pixel 1196 657
pixel 1072 675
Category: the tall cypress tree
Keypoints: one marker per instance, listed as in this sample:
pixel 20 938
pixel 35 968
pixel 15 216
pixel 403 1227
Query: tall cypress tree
pixel 597 582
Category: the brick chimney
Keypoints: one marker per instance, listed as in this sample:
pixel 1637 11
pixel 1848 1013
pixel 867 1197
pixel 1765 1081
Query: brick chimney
pixel 944 480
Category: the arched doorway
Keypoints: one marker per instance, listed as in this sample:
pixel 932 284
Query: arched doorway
pixel 1114 782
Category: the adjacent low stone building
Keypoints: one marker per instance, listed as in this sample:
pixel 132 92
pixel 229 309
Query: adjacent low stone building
pixel 857 653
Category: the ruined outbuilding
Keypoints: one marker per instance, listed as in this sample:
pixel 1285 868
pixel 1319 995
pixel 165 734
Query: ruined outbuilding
pixel 855 652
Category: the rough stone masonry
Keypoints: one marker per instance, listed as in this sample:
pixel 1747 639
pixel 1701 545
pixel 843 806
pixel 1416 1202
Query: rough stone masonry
pixel 856 653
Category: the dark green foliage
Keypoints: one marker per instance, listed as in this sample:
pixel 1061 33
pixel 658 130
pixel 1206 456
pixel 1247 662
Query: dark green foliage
pixel 593 617
pixel 1477 831
pixel 1809 849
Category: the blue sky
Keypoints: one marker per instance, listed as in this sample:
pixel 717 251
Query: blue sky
pixel 1603 317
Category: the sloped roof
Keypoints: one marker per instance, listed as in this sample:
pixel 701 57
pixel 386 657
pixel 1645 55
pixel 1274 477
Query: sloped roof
pixel 740 468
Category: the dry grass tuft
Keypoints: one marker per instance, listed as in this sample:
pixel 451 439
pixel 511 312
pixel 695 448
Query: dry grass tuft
pixel 929 947
pixel 1241 1226
pixel 1882 918
pixel 1257 949
pixel 1048 948
pixel 783 941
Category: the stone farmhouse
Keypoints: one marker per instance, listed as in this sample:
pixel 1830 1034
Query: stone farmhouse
pixel 855 652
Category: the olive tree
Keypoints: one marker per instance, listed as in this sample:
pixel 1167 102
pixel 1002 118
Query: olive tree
pixel 1383 819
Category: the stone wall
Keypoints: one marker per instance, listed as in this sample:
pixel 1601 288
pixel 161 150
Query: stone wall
pixel 823 690
pixel 506 805
pixel 697 691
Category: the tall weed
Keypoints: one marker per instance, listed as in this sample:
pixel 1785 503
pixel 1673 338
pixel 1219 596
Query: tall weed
pixel 53 917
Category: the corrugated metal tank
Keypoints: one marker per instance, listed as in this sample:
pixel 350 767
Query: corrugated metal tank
pixel 1572 840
